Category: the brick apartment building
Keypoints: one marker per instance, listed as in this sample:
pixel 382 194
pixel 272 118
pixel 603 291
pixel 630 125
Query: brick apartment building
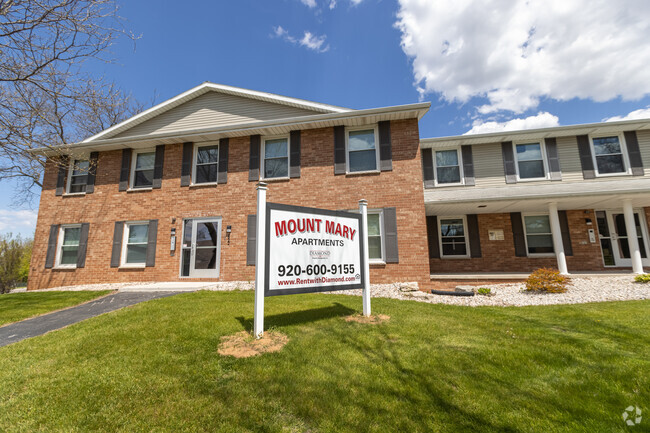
pixel 575 198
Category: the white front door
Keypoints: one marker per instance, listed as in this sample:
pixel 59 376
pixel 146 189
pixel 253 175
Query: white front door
pixel 614 240
pixel 201 247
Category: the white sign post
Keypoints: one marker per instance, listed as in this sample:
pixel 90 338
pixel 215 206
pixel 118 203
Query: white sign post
pixel 260 233
pixel 363 210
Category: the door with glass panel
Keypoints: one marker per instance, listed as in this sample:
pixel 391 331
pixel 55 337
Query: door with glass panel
pixel 614 240
pixel 200 250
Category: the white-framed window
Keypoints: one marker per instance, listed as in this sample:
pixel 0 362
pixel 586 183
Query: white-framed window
pixel 78 176
pixel 609 155
pixel 275 157
pixel 206 163
pixel 447 164
pixel 68 246
pixel 453 237
pixel 539 239
pixel 134 244
pixel 376 247
pixel 530 161
pixel 142 166
pixel 362 149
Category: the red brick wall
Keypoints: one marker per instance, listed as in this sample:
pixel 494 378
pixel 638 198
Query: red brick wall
pixel 499 256
pixel 317 187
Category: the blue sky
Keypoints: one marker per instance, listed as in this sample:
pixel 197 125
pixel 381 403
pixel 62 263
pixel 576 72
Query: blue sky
pixel 485 65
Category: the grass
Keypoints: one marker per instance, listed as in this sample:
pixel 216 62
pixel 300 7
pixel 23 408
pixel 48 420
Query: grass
pixel 19 306
pixel 155 367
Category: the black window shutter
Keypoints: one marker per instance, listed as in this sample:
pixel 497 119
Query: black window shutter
pixel 339 149
pixel 385 146
pixel 518 234
pixel 566 235
pixel 553 159
pixel 432 236
pixel 51 246
pixel 294 156
pixel 222 173
pixel 92 172
pixel 584 149
pixel 509 162
pixel 151 243
pixel 186 167
pixel 117 244
pixel 474 236
pixel 254 159
pixel 83 245
pixel 427 168
pixel 126 169
pixel 62 175
pixel 251 242
pixel 159 163
pixel 468 164
pixel 390 231
pixel 634 153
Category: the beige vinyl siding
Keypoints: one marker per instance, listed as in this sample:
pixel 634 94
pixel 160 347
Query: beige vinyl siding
pixel 644 146
pixel 488 165
pixel 214 110
pixel 567 150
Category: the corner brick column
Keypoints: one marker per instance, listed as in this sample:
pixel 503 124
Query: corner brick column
pixel 557 238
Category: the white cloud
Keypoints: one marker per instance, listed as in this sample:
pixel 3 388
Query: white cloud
pixel 642 113
pixel 309 3
pixel 18 221
pixel 516 52
pixel 541 120
pixel 332 4
pixel 314 42
pixel 309 40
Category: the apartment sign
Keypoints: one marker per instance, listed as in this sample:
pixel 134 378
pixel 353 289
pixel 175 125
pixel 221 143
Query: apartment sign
pixel 311 250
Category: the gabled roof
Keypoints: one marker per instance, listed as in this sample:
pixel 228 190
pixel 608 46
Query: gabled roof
pixel 220 88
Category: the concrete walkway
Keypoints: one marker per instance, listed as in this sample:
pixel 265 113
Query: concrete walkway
pixel 59 319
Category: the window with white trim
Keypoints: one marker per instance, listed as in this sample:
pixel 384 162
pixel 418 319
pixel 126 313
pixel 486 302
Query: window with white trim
pixel 142 168
pixel 275 163
pixel 68 246
pixel 447 164
pixel 362 150
pixel 78 176
pixel 453 237
pixel 206 163
pixel 375 235
pixel 539 239
pixel 134 243
pixel 530 161
pixel 609 155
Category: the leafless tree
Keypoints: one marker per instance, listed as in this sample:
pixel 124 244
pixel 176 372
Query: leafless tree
pixel 47 99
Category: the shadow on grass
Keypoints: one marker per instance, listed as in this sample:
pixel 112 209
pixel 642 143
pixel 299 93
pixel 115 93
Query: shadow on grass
pixel 299 317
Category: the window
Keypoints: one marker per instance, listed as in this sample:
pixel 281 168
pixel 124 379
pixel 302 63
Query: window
pixel 206 163
pixel 608 152
pixel 78 176
pixel 375 244
pixel 530 161
pixel 68 247
pixel 362 150
pixel 134 244
pixel 452 237
pixel 276 158
pixel 142 169
pixel 447 167
pixel 539 239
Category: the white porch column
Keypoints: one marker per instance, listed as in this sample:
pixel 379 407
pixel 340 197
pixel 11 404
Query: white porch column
pixel 556 231
pixel 632 237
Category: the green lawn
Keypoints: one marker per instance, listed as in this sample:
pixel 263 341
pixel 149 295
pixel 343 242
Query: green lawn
pixel 19 306
pixel 155 367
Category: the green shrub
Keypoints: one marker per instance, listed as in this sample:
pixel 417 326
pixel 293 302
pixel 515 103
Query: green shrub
pixel 546 281
pixel 485 291
pixel 643 278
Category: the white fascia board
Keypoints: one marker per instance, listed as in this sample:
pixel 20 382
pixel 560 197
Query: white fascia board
pixel 302 121
pixel 207 86
pixel 556 131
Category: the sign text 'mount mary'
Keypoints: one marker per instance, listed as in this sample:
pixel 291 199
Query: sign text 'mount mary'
pixel 312 250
